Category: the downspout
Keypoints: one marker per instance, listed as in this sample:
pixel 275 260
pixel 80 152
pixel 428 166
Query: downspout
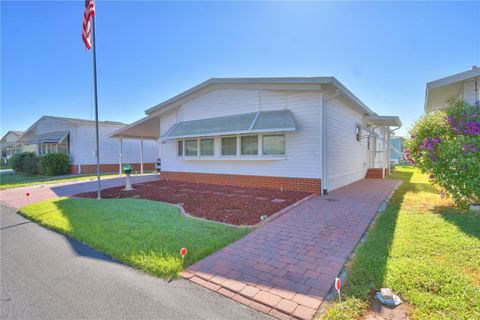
pixel 325 100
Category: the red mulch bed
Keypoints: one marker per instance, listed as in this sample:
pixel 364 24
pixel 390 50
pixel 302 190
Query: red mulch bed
pixel 234 205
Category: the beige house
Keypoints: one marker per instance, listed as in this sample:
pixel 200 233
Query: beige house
pixel 7 144
pixel 76 138
pixel 463 86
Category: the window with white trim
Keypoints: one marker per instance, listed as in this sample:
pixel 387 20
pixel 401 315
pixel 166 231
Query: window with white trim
pixel 358 132
pixel 229 146
pixel 273 145
pixel 249 145
pixel 207 147
pixel 180 148
pixel 191 147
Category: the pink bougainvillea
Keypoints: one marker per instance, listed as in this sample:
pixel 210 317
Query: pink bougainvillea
pixel 446 145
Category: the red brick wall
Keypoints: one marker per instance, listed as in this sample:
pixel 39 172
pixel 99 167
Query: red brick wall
pixel 108 168
pixel 376 173
pixel 295 184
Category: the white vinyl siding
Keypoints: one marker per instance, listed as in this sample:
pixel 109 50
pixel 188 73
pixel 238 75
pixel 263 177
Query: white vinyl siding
pixel 302 147
pixel 82 143
pixel 346 157
pixel 469 94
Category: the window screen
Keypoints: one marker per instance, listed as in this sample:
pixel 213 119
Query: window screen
pixel 191 147
pixel 206 147
pixel 229 146
pixel 274 145
pixel 249 145
pixel 180 148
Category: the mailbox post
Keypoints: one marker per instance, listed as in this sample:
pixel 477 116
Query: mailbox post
pixel 127 169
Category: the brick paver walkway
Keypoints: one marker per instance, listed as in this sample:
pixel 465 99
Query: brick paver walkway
pixel 287 267
pixel 16 197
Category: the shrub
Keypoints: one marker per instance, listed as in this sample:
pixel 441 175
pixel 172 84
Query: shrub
pixel 55 164
pixel 25 162
pixel 446 145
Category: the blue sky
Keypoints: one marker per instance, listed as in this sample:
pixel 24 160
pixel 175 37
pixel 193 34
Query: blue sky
pixel 150 51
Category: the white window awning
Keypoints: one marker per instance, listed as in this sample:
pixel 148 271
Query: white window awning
pixel 256 122
pixel 50 137
pixel 391 121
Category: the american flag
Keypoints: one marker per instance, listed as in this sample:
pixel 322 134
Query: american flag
pixel 87 22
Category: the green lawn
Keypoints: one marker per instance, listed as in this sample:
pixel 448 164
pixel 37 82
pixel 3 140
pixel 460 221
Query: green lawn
pixel 424 249
pixel 145 234
pixel 14 180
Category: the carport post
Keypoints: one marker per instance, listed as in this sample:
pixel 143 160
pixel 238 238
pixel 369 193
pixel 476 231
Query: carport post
pixel 141 155
pixel 383 154
pixel 120 156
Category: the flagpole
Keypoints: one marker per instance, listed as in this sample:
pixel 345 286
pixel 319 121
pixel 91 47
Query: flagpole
pixel 99 196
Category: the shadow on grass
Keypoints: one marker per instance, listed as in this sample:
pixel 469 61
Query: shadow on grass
pixel 144 234
pixel 467 221
pixel 368 268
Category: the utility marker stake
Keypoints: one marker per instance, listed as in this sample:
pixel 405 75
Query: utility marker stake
pixel 338 285
pixel 183 252
pixel 28 197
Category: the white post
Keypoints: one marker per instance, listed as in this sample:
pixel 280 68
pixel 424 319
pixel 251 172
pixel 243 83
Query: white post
pixel 383 153
pixel 120 164
pixel 141 155
pixel 389 150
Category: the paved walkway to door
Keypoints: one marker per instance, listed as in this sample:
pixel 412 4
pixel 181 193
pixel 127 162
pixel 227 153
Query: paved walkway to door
pixel 287 267
pixel 16 197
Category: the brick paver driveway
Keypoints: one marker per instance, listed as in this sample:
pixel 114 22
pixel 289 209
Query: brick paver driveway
pixel 16 198
pixel 287 267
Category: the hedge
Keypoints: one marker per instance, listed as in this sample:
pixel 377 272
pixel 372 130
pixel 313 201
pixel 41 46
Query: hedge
pixel 25 162
pixel 52 164
pixel 55 164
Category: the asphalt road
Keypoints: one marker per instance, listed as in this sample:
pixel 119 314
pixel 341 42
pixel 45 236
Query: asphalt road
pixel 45 275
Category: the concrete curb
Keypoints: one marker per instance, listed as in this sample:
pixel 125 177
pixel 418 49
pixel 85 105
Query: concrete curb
pixel 254 226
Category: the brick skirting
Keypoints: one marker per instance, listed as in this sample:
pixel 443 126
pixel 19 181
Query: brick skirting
pixel 108 168
pixel 376 173
pixel 294 184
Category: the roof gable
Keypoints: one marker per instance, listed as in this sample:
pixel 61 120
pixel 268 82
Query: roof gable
pixel 288 83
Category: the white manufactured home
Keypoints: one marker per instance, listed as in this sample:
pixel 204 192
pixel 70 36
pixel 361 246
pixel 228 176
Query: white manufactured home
pixel 76 137
pixel 308 134
pixel 464 86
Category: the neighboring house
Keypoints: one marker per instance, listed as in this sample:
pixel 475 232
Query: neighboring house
pixel 396 151
pixel 7 144
pixel 293 133
pixel 464 86
pixel 76 137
